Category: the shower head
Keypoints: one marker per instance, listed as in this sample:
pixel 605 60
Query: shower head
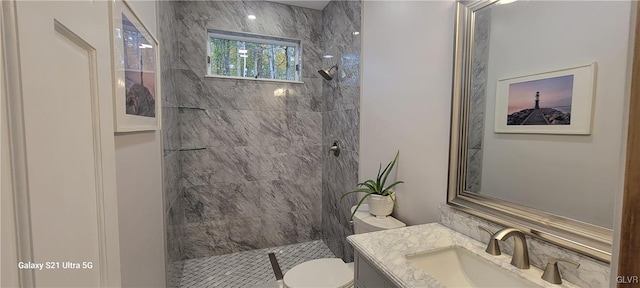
pixel 326 73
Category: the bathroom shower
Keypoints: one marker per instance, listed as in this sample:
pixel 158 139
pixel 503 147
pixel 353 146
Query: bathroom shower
pixel 326 73
pixel 243 196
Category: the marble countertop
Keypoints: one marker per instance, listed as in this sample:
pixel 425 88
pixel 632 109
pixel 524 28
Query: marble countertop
pixel 387 250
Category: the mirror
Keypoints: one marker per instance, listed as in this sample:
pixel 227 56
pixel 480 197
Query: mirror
pixel 538 124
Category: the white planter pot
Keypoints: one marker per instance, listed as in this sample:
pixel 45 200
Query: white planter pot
pixel 381 206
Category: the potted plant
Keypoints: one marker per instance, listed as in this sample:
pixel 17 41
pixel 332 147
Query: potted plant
pixel 381 198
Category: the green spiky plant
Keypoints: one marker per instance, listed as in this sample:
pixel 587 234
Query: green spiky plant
pixel 376 187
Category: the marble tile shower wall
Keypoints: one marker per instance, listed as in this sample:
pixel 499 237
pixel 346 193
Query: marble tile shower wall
pixel 478 95
pixel 258 182
pixel 174 206
pixel 340 122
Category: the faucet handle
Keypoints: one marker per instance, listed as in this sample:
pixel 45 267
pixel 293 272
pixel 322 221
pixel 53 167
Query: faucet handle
pixel 552 274
pixel 492 247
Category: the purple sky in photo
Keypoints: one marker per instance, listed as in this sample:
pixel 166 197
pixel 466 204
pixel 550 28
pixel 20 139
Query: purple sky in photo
pixel 554 92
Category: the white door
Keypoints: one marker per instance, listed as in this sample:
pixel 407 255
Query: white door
pixel 68 130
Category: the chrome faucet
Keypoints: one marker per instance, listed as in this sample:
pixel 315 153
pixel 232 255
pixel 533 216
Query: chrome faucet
pixel 520 257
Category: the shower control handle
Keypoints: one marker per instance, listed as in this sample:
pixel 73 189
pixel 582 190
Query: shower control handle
pixel 335 148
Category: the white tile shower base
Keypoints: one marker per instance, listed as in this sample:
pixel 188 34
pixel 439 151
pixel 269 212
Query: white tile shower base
pixel 249 268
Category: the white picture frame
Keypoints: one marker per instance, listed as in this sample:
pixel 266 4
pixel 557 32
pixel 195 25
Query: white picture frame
pixel 561 102
pixel 136 77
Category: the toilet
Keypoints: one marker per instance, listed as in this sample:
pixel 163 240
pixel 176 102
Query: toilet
pixel 333 272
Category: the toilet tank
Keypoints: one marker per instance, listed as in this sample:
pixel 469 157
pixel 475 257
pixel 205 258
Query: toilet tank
pixel 364 222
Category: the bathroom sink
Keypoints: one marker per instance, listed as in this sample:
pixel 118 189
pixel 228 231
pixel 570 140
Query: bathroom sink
pixel 457 267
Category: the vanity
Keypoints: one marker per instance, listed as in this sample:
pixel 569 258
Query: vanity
pixel 432 255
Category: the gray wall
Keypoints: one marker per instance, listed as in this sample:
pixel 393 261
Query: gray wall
pixel 406 101
pixel 174 202
pixel 139 185
pixel 588 164
pixel 258 183
pixel 340 121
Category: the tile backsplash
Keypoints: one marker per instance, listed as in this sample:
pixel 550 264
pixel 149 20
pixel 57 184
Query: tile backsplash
pixel 591 273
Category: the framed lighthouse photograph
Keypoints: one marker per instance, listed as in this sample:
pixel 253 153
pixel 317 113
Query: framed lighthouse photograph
pixel 557 102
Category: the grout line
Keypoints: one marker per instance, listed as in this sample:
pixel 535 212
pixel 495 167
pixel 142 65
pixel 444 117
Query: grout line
pixel 172 202
pixel 170 154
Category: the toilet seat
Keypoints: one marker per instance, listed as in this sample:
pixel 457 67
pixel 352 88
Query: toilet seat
pixel 325 272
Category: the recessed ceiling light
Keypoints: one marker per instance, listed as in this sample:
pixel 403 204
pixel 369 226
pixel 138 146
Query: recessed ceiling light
pixel 327 56
pixel 356 33
pixel 252 17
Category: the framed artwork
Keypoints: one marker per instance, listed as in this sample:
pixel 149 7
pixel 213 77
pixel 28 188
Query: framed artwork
pixel 557 102
pixel 135 72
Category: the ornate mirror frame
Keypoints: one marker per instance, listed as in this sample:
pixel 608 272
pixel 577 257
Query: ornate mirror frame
pixel 585 238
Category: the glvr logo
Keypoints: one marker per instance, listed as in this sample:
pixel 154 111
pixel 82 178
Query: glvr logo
pixel 627 280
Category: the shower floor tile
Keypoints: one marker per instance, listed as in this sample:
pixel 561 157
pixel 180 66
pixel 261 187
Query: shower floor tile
pixel 249 268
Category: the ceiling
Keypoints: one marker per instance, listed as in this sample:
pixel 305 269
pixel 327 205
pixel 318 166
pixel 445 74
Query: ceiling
pixel 313 4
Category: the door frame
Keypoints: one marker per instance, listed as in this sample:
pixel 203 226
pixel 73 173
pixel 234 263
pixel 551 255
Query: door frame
pixel 17 142
pixel 628 264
